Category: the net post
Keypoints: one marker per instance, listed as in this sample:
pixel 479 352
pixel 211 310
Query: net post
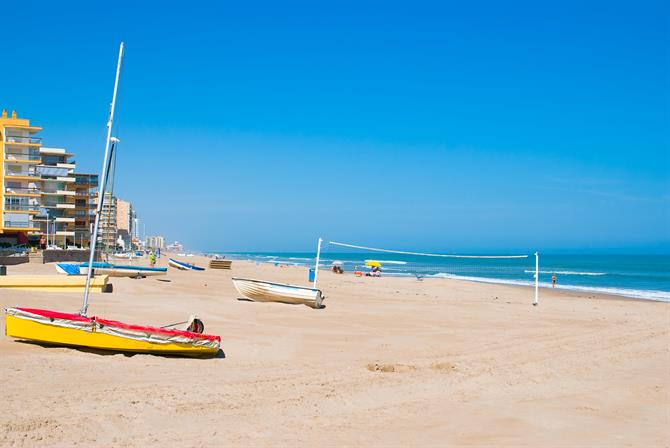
pixel 537 278
pixel 316 267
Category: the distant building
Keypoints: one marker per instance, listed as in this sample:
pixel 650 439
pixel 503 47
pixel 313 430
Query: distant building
pixel 175 247
pixel 125 221
pixel 155 242
pixel 107 230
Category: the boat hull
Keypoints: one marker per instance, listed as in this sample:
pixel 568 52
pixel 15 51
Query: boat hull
pixel 99 334
pixel 122 272
pixel 262 291
pixel 184 266
pixel 110 270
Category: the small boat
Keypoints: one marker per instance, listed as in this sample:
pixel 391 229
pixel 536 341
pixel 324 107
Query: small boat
pixel 184 266
pixel 262 291
pixel 123 255
pixel 112 270
pixel 119 270
pixel 77 330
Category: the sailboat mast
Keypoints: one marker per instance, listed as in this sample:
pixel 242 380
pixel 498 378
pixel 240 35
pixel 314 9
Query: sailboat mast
pixel 103 175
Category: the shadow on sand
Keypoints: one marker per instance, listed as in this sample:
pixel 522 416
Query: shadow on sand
pixel 219 355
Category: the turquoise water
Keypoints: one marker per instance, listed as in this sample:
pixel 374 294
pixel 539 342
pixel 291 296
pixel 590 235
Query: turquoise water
pixel 638 276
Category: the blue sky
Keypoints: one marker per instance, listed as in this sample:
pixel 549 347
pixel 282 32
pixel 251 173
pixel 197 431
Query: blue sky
pixel 464 126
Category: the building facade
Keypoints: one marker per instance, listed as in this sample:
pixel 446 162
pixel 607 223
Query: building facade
pixel 42 195
pixel 85 202
pixel 21 183
pixel 57 200
pixel 155 242
pixel 125 222
pixel 108 226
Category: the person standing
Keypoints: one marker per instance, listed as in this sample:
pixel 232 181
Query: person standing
pixel 553 280
pixel 152 259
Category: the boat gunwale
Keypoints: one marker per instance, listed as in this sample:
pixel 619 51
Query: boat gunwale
pixel 277 284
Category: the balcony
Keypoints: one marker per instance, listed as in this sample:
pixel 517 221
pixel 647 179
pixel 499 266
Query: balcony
pixel 22 208
pixel 22 157
pixel 22 190
pixel 26 225
pixel 53 171
pixel 24 174
pixel 23 140
pixel 86 182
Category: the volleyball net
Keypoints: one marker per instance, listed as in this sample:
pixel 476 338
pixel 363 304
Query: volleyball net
pixel 366 261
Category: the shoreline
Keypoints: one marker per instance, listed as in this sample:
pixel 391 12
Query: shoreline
pixel 626 293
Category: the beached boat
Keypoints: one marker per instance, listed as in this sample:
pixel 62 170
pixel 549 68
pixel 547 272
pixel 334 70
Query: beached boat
pixel 54 328
pixel 262 291
pixel 79 330
pixel 112 270
pixel 183 266
pixel 117 270
pixel 123 255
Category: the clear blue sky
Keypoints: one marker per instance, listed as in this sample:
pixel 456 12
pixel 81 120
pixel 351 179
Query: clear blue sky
pixel 469 126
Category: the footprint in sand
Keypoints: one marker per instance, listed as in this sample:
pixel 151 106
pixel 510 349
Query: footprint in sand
pixel 390 368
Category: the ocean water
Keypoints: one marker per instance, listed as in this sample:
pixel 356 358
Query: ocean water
pixel 636 276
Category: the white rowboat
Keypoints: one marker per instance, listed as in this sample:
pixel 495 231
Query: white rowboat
pixel 262 291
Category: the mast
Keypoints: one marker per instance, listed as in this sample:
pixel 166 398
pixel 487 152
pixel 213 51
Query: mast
pixel 101 193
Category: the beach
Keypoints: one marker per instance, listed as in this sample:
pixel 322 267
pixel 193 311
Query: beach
pixel 388 362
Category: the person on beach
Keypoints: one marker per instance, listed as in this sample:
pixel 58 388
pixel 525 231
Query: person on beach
pixel 553 280
pixel 152 259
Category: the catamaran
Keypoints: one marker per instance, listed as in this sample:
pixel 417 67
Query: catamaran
pixel 264 291
pixel 112 270
pixel 184 266
pixel 79 330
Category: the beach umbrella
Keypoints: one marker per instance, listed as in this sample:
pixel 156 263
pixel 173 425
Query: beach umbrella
pixel 373 263
pixel 337 263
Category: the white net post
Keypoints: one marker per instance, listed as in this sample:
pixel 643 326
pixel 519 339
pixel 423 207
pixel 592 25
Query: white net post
pixel 537 279
pixel 316 266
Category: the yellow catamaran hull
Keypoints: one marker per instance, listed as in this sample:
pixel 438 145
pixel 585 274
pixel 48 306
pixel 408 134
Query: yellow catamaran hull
pixel 95 334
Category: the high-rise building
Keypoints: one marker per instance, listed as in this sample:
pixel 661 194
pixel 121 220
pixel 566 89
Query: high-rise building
pixel 155 242
pixel 57 200
pixel 85 202
pixel 20 192
pixel 108 225
pixel 125 221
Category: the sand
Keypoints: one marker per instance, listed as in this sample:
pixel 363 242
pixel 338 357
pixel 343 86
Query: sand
pixel 389 362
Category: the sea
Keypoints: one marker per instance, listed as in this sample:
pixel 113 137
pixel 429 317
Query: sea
pixel 636 276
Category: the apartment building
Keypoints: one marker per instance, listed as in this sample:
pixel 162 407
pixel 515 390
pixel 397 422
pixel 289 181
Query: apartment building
pixel 20 193
pixel 155 242
pixel 85 202
pixel 125 222
pixel 56 217
pixel 108 225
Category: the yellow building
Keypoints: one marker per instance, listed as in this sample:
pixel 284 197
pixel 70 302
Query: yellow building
pixel 21 183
